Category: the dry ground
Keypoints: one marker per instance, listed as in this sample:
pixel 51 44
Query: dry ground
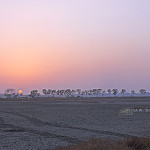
pixel 48 123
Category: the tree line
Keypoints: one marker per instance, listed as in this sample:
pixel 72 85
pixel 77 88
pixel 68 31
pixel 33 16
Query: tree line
pixel 75 93
pixel 83 93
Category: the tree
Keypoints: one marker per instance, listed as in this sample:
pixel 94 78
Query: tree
pixel 44 92
pixel 99 91
pixel 109 91
pixel 123 91
pixel 90 92
pixel 132 93
pixel 94 92
pixel 115 91
pixel 49 91
pixel 142 92
pixel 103 92
pixel 10 92
pixel 82 93
pixel 58 92
pixel 73 93
pixel 78 91
pixel 62 92
pixel 53 92
pixel 34 93
pixel 86 92
pixel 67 92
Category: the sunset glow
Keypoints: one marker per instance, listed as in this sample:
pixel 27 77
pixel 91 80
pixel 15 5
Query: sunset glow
pixel 20 92
pixel 74 44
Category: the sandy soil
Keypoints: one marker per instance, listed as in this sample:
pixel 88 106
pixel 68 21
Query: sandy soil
pixel 46 124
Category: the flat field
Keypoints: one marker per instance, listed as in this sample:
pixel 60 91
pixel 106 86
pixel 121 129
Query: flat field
pixel 46 123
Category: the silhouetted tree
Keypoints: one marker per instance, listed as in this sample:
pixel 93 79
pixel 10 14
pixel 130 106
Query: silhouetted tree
pixel 142 92
pixel 67 92
pixel 103 92
pixel 10 92
pixel 44 92
pixel 53 92
pixel 132 93
pixel 123 91
pixel 94 92
pixel 62 92
pixel 49 92
pixel 86 92
pixel 34 93
pixel 115 91
pixel 73 92
pixel 78 91
pixel 99 91
pixel 109 91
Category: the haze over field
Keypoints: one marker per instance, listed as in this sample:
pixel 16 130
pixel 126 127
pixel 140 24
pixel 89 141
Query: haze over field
pixel 74 44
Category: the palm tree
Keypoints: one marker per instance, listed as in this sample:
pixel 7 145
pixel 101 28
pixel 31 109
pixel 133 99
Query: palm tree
pixel 123 91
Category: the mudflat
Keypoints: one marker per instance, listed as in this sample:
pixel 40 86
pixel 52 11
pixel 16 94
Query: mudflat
pixel 46 123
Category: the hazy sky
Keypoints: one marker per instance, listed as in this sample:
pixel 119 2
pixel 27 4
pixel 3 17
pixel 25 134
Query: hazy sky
pixel 74 44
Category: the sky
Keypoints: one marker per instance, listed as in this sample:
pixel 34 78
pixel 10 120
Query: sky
pixel 60 44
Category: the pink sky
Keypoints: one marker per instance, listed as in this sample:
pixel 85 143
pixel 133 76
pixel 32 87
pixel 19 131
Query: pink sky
pixel 74 44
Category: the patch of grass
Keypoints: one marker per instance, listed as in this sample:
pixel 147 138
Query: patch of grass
pixel 101 144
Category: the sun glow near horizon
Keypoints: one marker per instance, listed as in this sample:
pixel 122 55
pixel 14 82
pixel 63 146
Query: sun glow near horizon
pixel 20 92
